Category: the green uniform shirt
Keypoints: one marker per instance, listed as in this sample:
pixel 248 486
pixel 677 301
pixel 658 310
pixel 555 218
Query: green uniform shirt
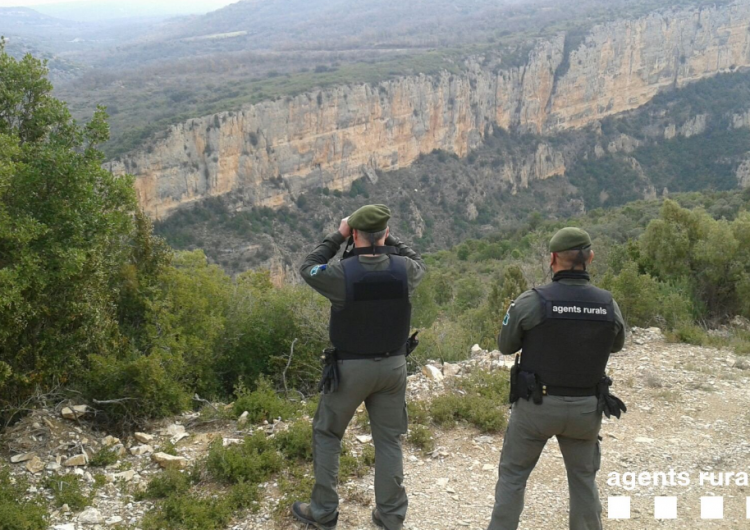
pixel 328 278
pixel 526 313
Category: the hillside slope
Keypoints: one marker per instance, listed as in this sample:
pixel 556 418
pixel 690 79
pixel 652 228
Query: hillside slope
pixel 687 412
pixel 271 152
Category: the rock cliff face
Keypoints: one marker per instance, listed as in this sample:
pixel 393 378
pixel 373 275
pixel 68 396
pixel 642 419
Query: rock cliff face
pixel 269 153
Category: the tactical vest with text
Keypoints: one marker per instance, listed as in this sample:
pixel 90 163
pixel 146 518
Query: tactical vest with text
pixel 376 317
pixel 571 347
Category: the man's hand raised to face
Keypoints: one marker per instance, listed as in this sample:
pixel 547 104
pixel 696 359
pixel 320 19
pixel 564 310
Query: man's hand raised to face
pixel 344 228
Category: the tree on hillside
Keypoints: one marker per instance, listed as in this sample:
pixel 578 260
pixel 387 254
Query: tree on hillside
pixel 66 229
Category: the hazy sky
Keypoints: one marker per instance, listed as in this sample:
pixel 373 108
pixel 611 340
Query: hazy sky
pixel 209 4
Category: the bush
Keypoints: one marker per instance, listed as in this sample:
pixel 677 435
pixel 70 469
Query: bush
pixel 104 457
pixel 296 442
pixel 16 513
pixel 263 403
pixel 421 437
pixel 170 482
pixel 252 461
pixel 66 489
pixel 484 395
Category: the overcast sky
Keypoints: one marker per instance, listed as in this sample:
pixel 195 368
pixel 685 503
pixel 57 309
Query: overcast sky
pixel 209 4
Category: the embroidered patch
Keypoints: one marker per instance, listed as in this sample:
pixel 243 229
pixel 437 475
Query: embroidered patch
pixel 315 270
pixel 506 319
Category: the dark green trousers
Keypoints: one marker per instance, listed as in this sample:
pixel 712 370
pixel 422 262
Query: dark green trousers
pixel 576 422
pixel 381 385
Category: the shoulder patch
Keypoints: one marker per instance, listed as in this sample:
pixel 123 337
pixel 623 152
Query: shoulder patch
pixel 315 270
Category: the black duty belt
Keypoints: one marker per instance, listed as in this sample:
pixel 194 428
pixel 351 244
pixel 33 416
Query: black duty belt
pixel 350 356
pixel 568 391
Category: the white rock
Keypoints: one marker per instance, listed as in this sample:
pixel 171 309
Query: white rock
pixel 77 460
pixel 177 432
pixel 451 370
pixel 242 420
pixel 476 349
pixel 364 438
pixel 143 437
pixel 68 526
pixel 119 450
pixel 443 482
pixel 432 372
pixel 24 457
pixel 75 412
pixel 488 467
pixel 109 441
pixel 115 519
pixel 126 476
pixel 91 516
pixel 643 440
pixel 35 465
pixel 169 461
pixel 139 450
pixel 53 466
pixel 226 442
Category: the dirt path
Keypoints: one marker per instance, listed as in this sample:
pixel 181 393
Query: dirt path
pixel 689 410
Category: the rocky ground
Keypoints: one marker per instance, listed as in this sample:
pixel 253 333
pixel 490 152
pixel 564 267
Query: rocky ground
pixel 688 412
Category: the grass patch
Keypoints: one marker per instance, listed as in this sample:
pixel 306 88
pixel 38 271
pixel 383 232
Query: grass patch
pixel 66 489
pixel 295 484
pixel 170 482
pixel 351 465
pixel 16 513
pixel 168 448
pixel 419 412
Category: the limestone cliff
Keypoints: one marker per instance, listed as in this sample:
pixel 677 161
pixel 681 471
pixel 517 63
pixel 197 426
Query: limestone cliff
pixel 269 153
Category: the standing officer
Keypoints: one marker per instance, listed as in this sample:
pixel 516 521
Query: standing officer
pixel 370 296
pixel 567 330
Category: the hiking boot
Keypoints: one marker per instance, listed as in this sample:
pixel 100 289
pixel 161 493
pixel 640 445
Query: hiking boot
pixel 301 512
pixel 376 519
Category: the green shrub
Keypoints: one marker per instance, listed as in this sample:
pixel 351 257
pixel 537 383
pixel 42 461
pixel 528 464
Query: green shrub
pixel 484 396
pixel 66 489
pixel 419 413
pixel 421 437
pixel 170 482
pixel 189 512
pixel 354 466
pixel 105 456
pixel 295 483
pixel 263 403
pixel 253 461
pixel 296 442
pixel 16 513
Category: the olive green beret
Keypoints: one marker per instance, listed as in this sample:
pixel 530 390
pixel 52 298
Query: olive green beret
pixel 371 218
pixel 569 238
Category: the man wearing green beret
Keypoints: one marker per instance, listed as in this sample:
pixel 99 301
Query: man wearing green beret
pixel 370 290
pixel 566 331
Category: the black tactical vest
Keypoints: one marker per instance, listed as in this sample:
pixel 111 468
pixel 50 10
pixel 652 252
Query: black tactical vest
pixel 571 347
pixel 376 317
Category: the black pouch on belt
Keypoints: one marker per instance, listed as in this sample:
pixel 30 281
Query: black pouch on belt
pixel 528 386
pixel 514 371
pixel 329 382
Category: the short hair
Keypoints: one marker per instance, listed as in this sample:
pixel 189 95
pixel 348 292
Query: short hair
pixel 373 237
pixel 574 258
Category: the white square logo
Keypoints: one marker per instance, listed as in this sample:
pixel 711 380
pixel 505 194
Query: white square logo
pixel 618 507
pixel 712 507
pixel 665 507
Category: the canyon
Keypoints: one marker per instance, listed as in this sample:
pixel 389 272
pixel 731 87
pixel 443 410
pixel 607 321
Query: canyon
pixel 270 153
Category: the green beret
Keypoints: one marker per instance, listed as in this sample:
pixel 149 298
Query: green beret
pixel 569 238
pixel 371 218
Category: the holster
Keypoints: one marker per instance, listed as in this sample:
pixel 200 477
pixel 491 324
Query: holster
pixel 529 386
pixel 329 381
pixel 609 404
pixel 412 343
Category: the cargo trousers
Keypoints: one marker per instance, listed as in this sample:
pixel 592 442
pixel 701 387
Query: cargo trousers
pixel 381 385
pixel 576 422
